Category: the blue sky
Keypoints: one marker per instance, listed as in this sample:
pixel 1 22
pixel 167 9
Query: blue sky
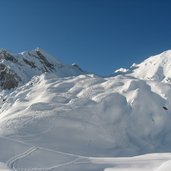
pixel 99 35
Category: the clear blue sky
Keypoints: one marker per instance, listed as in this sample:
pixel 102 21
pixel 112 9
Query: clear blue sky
pixel 99 35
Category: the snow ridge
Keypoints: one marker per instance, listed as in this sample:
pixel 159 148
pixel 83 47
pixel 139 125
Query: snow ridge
pixel 18 69
pixel 156 68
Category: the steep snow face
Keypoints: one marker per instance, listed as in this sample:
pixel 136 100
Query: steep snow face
pixel 18 69
pixel 154 68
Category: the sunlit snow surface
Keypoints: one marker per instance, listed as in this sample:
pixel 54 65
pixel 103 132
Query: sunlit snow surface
pixel 15 155
pixel 89 123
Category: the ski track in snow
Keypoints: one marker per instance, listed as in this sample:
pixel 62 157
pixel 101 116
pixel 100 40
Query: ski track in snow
pixel 132 161
pixel 137 161
pixel 63 164
pixel 11 161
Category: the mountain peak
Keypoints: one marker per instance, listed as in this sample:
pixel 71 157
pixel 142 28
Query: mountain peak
pixel 19 68
pixel 157 67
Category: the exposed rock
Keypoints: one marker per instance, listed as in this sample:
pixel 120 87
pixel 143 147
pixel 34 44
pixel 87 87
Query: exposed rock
pixel 8 78
pixel 165 108
pixel 44 61
pixel 7 56
pixel 20 68
pixel 77 66
pixel 29 63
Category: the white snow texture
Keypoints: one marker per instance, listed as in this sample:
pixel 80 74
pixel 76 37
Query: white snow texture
pixel 59 117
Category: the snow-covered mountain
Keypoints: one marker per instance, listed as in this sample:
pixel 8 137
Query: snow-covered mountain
pixel 157 68
pixel 58 117
pixel 18 69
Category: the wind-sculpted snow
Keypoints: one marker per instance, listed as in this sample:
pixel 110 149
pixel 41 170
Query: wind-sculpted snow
pixel 61 118
pixel 115 116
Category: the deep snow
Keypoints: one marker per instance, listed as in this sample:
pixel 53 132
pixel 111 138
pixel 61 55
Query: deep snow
pixel 36 158
pixel 66 119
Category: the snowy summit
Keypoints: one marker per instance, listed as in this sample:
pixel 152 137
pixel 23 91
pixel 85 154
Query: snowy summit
pixel 59 117
pixel 20 68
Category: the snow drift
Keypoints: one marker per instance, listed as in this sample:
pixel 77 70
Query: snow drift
pixel 62 108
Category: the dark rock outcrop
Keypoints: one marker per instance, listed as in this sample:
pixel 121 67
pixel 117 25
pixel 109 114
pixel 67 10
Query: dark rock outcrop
pixel 8 78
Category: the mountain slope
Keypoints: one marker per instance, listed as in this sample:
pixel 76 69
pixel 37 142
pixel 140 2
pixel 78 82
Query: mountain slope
pixel 94 114
pixel 63 109
pixel 156 68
